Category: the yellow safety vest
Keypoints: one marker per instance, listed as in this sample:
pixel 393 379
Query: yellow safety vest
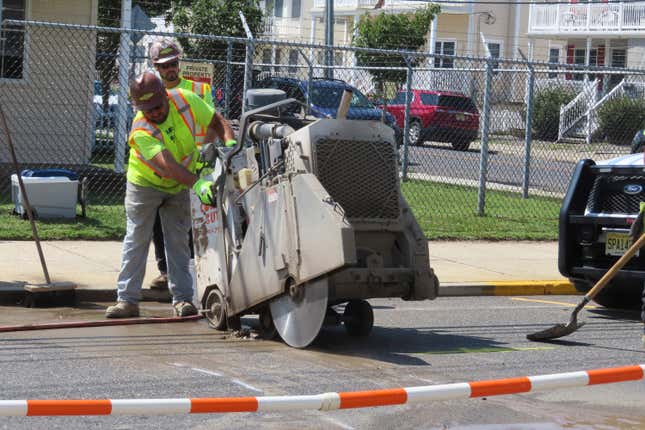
pixel 201 89
pixel 182 152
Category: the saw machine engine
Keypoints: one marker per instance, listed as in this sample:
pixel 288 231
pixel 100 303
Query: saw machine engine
pixel 309 216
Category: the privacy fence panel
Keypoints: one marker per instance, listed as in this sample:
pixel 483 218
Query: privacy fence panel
pixel 460 123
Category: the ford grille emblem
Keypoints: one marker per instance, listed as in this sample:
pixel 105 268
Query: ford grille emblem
pixel 632 189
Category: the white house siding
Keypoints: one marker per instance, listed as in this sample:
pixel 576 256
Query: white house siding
pixel 50 110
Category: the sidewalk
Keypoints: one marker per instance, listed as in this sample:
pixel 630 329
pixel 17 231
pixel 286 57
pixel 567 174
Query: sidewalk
pixel 463 267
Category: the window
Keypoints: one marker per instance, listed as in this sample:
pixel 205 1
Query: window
pixel 295 9
pixel 495 50
pixel 278 60
pixel 458 103
pixel 579 58
pixel 446 48
pixel 400 98
pixel 339 58
pixel 429 99
pixel 12 40
pixel 618 59
pixel 266 59
pixel 277 9
pixel 554 57
pixel 293 61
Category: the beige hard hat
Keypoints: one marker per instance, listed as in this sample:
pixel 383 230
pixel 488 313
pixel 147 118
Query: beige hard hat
pixel 147 91
pixel 164 51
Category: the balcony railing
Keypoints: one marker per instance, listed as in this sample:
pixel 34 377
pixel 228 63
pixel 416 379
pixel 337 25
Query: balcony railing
pixel 282 27
pixel 581 18
pixel 395 4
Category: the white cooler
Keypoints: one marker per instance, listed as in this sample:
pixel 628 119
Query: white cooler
pixel 50 197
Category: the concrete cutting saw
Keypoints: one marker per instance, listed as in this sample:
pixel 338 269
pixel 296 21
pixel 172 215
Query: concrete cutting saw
pixel 309 217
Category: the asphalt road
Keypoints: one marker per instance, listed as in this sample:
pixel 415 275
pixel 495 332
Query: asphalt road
pixel 505 166
pixel 413 343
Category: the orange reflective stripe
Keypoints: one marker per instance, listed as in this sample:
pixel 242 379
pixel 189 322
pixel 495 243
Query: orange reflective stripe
pixel 183 108
pixel 149 163
pixel 187 160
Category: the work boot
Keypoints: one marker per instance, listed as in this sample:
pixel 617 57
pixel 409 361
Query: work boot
pixel 160 282
pixel 184 309
pixel 122 310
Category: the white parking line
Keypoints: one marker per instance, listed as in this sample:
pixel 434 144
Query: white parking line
pixel 219 375
pixel 245 385
pixel 207 372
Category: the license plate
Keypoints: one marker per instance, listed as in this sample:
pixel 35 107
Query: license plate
pixel 617 243
pixel 460 117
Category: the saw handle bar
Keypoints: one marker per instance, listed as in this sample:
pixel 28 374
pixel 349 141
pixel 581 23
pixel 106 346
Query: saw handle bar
pixel 244 125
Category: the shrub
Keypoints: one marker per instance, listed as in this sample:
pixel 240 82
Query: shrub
pixel 620 119
pixel 546 112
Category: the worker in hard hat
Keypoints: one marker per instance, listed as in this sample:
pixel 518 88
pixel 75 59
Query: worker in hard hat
pixel 165 55
pixel 162 163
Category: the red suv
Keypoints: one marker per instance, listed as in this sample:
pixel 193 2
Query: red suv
pixel 440 116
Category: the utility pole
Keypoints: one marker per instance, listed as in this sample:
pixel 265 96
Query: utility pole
pixel 329 39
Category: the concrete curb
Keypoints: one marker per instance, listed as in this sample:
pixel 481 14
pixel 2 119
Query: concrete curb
pixel 17 293
pixel 508 288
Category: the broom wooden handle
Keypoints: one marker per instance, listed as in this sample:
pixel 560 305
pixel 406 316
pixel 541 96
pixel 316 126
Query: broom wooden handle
pixel 25 199
pixel 633 249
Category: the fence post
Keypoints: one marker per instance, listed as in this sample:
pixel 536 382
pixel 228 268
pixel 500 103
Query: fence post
pixel 406 121
pixel 227 79
pixel 248 61
pixel 310 71
pixel 528 139
pixel 483 160
pixel 248 70
pixel 120 132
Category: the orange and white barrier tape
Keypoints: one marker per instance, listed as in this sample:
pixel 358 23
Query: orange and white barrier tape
pixel 323 402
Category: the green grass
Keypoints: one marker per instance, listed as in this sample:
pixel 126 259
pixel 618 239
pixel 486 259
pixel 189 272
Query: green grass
pixel 103 222
pixel 450 212
pixel 443 211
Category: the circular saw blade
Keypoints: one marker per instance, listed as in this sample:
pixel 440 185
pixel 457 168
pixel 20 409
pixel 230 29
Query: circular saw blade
pixel 299 321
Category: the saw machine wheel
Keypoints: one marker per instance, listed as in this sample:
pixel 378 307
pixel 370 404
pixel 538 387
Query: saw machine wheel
pixel 216 309
pixel 358 318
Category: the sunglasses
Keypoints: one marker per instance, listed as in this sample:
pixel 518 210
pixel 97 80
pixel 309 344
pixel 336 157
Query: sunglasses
pixel 170 65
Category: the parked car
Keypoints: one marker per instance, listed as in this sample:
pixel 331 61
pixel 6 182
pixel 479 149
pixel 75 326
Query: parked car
pixel 439 116
pixel 107 119
pixel 600 206
pixel 325 98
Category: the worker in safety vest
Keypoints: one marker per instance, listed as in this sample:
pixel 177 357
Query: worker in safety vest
pixel 165 55
pixel 163 155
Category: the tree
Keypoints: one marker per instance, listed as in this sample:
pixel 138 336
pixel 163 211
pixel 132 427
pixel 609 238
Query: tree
pixel 216 17
pixel 107 43
pixel 392 31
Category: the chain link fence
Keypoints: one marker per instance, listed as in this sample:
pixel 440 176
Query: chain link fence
pixel 487 136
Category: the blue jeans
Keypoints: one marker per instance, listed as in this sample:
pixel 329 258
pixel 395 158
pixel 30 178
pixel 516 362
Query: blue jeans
pixel 141 206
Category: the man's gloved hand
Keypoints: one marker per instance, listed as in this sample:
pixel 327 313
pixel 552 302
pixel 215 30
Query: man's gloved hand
pixel 206 158
pixel 204 190
pixel 230 143
pixel 637 227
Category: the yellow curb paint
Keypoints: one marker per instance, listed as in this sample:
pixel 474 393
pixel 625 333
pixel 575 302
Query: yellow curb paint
pixel 529 288
pixel 550 302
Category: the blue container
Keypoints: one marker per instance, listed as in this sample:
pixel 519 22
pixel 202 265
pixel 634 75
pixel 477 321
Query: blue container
pixel 49 173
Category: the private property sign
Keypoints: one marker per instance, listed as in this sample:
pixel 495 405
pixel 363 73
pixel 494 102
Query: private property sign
pixel 198 72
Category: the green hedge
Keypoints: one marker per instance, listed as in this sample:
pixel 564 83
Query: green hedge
pixel 620 119
pixel 546 112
